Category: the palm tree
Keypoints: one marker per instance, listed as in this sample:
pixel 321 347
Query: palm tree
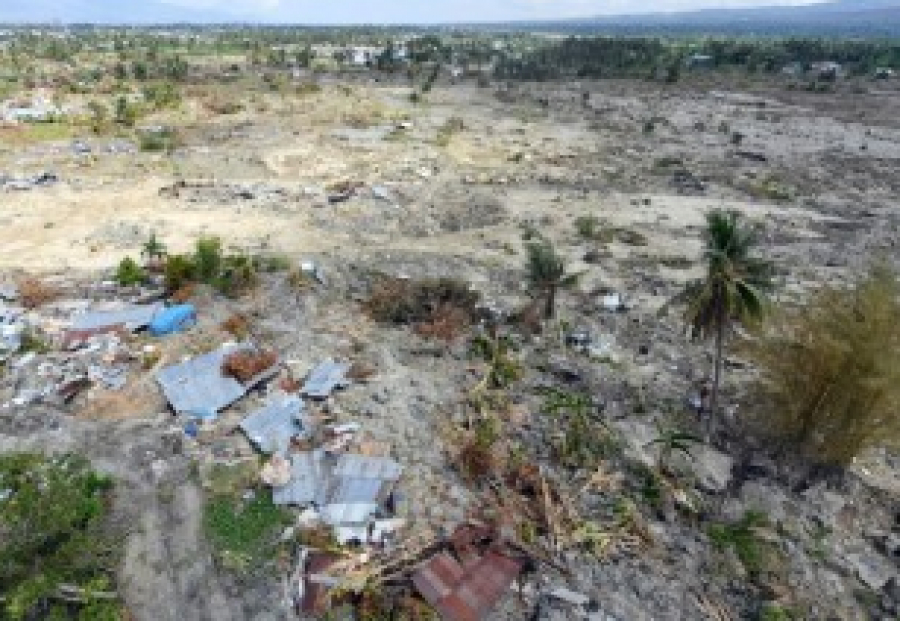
pixel 547 275
pixel 732 291
pixel 153 249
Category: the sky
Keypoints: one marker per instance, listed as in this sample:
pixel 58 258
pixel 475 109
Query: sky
pixel 347 11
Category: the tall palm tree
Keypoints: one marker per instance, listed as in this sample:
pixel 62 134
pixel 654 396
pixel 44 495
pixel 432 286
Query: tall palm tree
pixel 547 275
pixel 733 290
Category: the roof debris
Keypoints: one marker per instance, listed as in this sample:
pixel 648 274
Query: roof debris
pixel 324 379
pixel 198 387
pixel 133 317
pixel 272 428
pixel 469 588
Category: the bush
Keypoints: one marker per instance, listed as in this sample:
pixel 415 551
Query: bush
pixel 742 537
pixel 162 140
pixel 129 273
pixel 830 370
pixel 55 531
pixel 245 365
pixel 180 271
pixel 208 258
pixel 400 301
pixel 34 293
pixel 236 275
pixel 587 227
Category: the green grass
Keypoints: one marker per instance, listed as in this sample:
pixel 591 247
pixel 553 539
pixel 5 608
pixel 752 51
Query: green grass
pixel 744 540
pixel 244 534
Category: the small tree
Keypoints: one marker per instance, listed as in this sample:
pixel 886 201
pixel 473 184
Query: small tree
pixel 208 258
pixel 129 273
pixel 57 544
pixel 830 370
pixel 732 290
pixel 153 249
pixel 547 275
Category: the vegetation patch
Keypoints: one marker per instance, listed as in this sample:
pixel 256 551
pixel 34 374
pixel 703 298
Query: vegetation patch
pixel 830 370
pixel 244 535
pixel 58 551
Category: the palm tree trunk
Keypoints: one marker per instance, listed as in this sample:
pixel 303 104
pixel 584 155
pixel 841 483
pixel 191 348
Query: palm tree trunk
pixel 550 303
pixel 717 372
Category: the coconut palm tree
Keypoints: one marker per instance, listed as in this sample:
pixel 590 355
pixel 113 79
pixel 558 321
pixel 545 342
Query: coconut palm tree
pixel 547 275
pixel 153 249
pixel 733 290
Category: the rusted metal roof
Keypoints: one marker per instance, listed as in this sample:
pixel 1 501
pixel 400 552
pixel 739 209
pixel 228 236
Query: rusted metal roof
pixel 465 593
pixel 74 339
pixel 315 588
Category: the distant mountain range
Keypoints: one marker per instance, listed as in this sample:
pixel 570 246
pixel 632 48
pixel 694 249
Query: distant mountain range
pixel 835 17
pixel 838 17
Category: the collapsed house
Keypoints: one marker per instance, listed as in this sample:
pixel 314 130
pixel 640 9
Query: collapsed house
pixel 199 388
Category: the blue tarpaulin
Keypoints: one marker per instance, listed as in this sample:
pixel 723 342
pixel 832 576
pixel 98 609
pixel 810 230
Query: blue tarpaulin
pixel 173 319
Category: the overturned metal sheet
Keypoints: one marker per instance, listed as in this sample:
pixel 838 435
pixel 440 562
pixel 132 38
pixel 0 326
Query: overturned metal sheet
pixel 132 317
pixel 465 593
pixel 272 427
pixel 324 379
pixel 198 386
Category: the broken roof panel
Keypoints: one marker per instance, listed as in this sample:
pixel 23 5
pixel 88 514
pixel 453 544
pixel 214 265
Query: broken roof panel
pixel 367 467
pixel 272 427
pixel 307 470
pixel 198 386
pixel 133 317
pixel 465 594
pixel 336 514
pixel 324 379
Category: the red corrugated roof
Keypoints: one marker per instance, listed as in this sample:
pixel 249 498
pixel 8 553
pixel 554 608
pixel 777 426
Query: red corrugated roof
pixel 465 594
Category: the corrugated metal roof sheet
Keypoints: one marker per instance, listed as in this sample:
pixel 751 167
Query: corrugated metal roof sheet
pixel 307 471
pixel 336 514
pixel 132 317
pixel 465 593
pixel 366 467
pixel 272 427
pixel 198 386
pixel 324 379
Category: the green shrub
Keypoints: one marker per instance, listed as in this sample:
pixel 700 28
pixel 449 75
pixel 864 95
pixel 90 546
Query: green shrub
pixel 208 258
pixel 129 273
pixel 55 530
pixel 236 274
pixel 587 227
pixel 180 270
pixel 158 141
pixel 742 537
pixel 830 370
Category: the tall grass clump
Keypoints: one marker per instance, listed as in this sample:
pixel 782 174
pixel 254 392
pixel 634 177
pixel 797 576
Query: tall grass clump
pixel 830 370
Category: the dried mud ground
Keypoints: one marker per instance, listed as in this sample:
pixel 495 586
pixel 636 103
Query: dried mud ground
pixel 458 201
